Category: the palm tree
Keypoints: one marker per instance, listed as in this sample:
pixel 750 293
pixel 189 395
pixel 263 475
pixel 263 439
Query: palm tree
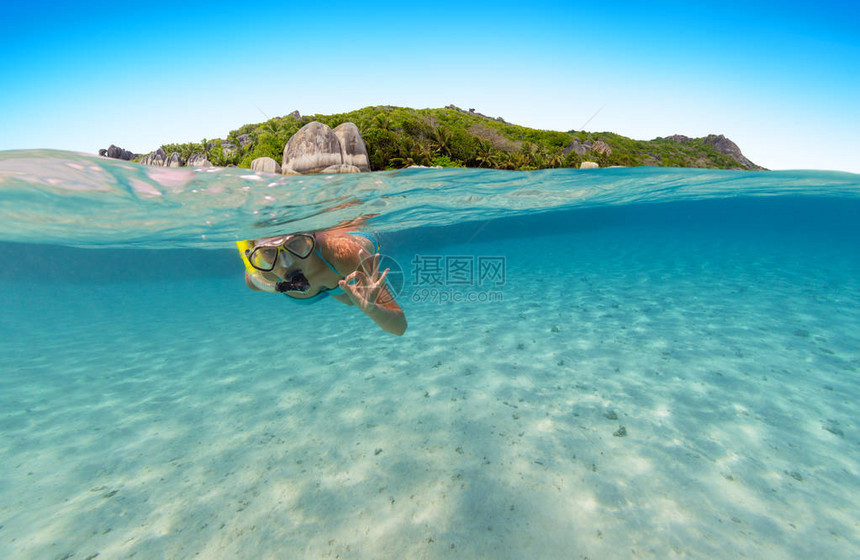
pixel 486 156
pixel 555 160
pixel 442 141
pixel 503 160
pixel 421 154
pixel 410 152
pixel 520 160
pixel 383 121
pixel 271 127
pixel 538 158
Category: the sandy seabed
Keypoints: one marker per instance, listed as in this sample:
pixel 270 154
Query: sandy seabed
pixel 631 396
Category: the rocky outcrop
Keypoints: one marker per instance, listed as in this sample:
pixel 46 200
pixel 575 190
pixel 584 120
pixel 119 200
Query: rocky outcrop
pixel 312 149
pixel 352 147
pixel 575 146
pixel 721 144
pixel 228 148
pixel 266 165
pixel 588 165
pixel 601 147
pixel 474 113
pixel 198 160
pixel 116 152
pixel 341 168
pixel 158 157
pixel 316 148
pixel 243 139
pixel 729 148
pixel 175 160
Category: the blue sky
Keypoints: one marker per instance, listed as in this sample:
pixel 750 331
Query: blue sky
pixel 778 78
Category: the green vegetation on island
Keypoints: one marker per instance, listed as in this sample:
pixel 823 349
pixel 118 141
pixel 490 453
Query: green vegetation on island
pixel 398 137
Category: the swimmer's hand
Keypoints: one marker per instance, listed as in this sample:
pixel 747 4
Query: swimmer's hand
pixel 366 286
pixel 366 289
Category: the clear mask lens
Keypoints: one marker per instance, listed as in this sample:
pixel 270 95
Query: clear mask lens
pixel 263 258
pixel 300 245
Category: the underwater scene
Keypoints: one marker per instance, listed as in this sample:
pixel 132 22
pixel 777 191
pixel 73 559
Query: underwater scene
pixel 603 363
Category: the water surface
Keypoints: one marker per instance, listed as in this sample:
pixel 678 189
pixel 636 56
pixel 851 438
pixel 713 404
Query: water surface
pixel 669 366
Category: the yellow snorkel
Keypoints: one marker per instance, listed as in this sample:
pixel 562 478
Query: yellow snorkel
pixel 243 247
pixel 254 275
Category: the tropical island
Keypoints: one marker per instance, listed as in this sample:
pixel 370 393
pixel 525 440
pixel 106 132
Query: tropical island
pixel 398 137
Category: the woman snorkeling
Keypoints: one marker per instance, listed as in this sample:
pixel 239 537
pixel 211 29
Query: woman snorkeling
pixel 308 267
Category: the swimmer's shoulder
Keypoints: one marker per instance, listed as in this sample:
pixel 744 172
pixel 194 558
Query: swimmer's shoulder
pixel 342 248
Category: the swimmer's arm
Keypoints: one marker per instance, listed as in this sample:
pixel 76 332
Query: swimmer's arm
pixel 389 316
pixel 345 252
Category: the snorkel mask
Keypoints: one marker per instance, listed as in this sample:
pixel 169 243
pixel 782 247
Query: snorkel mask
pixel 284 251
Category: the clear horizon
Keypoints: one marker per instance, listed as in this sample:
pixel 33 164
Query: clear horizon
pixel 778 79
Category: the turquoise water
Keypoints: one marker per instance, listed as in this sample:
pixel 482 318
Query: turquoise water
pixel 151 406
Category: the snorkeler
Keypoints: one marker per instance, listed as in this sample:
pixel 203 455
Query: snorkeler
pixel 308 267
